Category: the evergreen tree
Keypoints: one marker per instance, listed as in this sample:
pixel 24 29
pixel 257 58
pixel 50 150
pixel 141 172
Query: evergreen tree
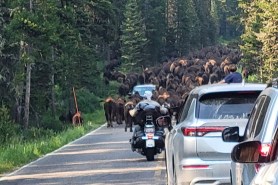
pixel 195 25
pixel 208 26
pixel 250 46
pixel 133 37
pixel 153 12
pixel 233 26
pixel 4 68
pixel 171 32
pixel 188 27
pixel 268 37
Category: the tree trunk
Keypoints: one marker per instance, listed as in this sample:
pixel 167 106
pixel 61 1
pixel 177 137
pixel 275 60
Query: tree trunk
pixel 27 96
pixel 28 85
pixel 19 89
pixel 53 107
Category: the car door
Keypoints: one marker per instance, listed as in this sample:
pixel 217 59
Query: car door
pixel 237 168
pixel 269 173
pixel 170 136
pixel 254 126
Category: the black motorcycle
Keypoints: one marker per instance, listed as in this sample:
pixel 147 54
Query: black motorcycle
pixel 149 137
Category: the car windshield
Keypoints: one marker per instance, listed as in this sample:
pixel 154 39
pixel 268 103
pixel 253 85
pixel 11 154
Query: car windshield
pixel 231 105
pixel 142 89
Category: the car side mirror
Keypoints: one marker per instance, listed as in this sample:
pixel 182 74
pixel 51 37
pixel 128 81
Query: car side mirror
pixel 247 152
pixel 231 134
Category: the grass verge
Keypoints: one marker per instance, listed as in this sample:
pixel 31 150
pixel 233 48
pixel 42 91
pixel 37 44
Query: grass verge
pixel 17 154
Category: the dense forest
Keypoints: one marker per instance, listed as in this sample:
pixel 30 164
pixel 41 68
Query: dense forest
pixel 48 47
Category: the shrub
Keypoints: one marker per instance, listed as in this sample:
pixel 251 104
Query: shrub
pixel 52 123
pixel 8 128
pixel 35 133
pixel 87 101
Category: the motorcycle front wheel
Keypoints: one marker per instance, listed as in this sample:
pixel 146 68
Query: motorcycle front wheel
pixel 150 152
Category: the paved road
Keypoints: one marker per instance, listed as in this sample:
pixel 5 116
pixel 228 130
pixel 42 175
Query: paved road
pixel 101 157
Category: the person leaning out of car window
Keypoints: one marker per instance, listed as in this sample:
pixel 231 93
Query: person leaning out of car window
pixel 233 77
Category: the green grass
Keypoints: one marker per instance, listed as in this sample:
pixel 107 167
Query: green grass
pixel 20 152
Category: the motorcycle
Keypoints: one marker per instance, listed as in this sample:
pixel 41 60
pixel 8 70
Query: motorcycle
pixel 148 139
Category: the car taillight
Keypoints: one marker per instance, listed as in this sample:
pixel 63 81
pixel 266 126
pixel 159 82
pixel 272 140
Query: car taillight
pixel 200 131
pixel 265 150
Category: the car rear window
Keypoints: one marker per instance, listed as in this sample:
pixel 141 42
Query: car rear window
pixel 226 105
pixel 142 89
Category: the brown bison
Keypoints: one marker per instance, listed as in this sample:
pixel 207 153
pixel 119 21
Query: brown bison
pixel 109 110
pixel 128 118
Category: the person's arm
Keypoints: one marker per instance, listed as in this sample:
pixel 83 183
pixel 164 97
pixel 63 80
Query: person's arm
pixel 222 81
pixel 133 112
pixel 227 79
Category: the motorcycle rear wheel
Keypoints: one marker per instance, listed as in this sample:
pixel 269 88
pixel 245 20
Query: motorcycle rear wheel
pixel 150 152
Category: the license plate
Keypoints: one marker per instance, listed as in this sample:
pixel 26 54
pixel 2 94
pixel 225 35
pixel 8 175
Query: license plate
pixel 149 130
pixel 150 143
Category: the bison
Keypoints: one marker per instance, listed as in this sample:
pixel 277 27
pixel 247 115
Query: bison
pixel 109 110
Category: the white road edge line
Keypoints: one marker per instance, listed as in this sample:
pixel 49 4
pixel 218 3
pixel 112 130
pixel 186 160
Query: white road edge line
pixel 29 164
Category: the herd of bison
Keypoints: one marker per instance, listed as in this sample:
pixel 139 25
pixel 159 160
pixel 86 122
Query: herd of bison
pixel 174 79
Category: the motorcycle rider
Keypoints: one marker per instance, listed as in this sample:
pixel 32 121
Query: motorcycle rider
pixel 146 106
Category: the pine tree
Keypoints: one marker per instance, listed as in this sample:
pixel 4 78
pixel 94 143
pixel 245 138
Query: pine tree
pixel 133 37
pixel 268 37
pixel 153 12
pixel 171 26
pixel 208 25
pixel 188 27
pixel 251 47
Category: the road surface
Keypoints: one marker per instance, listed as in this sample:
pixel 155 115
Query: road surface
pixel 101 157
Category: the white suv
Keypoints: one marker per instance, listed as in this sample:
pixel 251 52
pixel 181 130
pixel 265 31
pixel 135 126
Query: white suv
pixel 195 152
pixel 261 126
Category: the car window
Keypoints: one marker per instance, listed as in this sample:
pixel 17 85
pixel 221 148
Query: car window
pixel 226 105
pixel 186 107
pixel 253 115
pixel 253 118
pixel 142 89
pixel 261 116
pixel 257 116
